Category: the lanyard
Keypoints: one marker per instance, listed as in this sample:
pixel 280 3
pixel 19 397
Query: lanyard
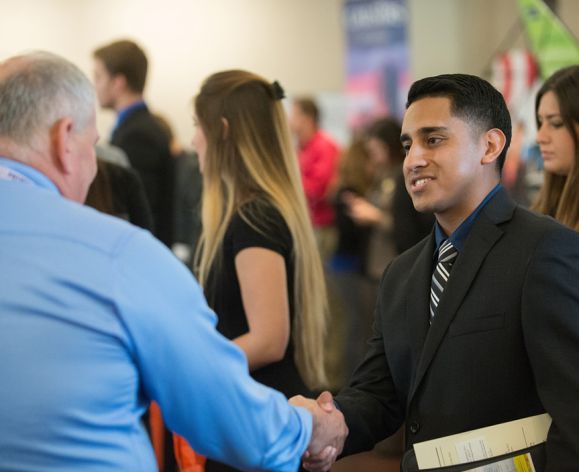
pixel 9 174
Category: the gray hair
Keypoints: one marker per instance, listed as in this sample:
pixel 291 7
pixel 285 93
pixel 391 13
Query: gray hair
pixel 39 92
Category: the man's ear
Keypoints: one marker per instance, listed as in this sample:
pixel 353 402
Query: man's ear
pixel 62 132
pixel 119 83
pixel 495 141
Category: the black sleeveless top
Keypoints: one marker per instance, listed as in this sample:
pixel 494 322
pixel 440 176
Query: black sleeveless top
pixel 266 229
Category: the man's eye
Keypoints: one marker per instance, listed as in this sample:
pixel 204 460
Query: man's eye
pixel 432 141
pixel 406 147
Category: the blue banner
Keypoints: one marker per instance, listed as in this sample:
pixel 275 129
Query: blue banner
pixel 377 59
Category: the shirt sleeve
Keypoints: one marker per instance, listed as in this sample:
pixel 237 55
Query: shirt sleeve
pixel 267 229
pixel 370 404
pixel 200 380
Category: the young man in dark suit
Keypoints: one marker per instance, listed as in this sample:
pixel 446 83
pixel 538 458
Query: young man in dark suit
pixel 484 330
pixel 120 73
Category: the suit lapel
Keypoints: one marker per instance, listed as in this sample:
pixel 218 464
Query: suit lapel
pixel 483 236
pixel 128 119
pixel 418 300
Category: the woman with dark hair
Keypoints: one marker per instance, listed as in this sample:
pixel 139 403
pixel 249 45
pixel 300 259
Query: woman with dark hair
pixel 557 115
pixel 387 208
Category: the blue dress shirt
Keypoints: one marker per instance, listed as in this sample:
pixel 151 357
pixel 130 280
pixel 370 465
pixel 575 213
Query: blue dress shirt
pixel 97 318
pixel 458 237
pixel 122 114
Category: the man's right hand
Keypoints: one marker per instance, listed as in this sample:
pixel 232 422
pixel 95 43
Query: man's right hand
pixel 328 435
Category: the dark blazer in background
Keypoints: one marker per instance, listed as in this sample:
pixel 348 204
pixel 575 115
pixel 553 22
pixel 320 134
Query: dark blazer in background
pixel 504 344
pixel 188 190
pixel 410 226
pixel 147 148
pixel 118 191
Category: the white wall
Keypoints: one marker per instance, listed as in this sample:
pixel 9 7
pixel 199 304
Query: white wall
pixel 298 42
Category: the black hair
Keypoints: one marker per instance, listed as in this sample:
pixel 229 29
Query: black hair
pixel 472 99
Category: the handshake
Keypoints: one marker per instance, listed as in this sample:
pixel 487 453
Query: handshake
pixel 328 433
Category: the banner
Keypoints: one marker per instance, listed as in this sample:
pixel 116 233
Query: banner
pixel 552 43
pixel 377 77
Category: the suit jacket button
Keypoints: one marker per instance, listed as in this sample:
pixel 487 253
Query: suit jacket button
pixel 414 427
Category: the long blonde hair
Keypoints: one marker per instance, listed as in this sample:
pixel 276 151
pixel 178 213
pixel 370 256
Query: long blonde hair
pixel 250 157
pixel 559 195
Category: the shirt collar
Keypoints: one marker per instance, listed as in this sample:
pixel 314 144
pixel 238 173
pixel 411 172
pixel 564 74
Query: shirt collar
pixel 458 237
pixel 122 114
pixel 34 176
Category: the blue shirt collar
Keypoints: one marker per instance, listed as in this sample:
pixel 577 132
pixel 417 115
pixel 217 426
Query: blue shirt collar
pixel 122 115
pixel 458 238
pixel 35 176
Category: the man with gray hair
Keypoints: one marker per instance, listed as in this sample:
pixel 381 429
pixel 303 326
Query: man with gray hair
pixel 97 318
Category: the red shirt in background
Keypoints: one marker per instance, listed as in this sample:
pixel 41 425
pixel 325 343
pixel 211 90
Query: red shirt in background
pixel 318 160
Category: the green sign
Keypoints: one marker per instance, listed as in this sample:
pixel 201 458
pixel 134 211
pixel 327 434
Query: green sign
pixel 552 44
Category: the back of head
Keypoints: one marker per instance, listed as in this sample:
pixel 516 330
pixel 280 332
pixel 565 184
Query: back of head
pixel 309 108
pixel 472 99
pixel 354 167
pixel 565 85
pixel 38 89
pixel 246 131
pixel 169 134
pixel 165 126
pixel 125 58
pixel 387 130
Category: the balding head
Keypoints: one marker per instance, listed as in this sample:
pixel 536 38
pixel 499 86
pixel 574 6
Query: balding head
pixel 38 89
pixel 47 120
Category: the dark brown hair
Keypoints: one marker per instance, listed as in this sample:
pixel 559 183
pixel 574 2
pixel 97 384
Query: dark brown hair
pixel 387 130
pixel 309 108
pixel 472 99
pixel 559 195
pixel 125 58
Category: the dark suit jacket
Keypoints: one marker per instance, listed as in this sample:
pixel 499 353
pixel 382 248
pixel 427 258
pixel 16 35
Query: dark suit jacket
pixel 147 148
pixel 118 191
pixel 410 226
pixel 504 344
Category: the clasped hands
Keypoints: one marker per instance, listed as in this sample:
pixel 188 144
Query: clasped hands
pixel 328 434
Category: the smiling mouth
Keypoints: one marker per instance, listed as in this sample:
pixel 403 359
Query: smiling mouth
pixel 420 183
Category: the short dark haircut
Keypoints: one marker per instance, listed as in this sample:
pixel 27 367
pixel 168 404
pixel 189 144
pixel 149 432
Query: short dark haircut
pixel 472 99
pixel 309 108
pixel 125 58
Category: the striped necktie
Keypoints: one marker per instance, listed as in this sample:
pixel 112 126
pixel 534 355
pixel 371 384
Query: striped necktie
pixel 446 256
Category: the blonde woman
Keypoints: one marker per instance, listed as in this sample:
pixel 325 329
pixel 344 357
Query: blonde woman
pixel 557 114
pixel 257 259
